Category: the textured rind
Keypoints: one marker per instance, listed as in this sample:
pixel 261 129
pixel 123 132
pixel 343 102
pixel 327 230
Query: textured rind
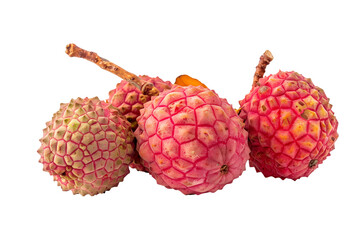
pixel 129 99
pixel 191 140
pixel 291 126
pixel 87 146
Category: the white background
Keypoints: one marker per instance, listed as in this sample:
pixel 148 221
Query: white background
pixel 218 42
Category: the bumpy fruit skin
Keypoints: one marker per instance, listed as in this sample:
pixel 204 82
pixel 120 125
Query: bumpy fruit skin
pixel 87 146
pixel 129 99
pixel 191 140
pixel 292 128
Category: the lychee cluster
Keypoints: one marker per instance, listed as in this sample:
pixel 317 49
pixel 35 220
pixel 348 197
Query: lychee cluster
pixel 184 135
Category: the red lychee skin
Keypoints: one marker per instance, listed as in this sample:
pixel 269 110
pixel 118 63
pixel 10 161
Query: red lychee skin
pixel 129 100
pixel 87 147
pixel 292 128
pixel 191 140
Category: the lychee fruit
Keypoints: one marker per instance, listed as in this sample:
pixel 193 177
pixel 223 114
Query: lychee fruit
pixel 191 140
pixel 291 126
pixel 130 94
pixel 129 99
pixel 87 146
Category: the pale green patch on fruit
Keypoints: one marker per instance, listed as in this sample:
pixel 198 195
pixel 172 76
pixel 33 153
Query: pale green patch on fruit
pixel 80 111
pixel 84 118
pixel 66 121
pixel 74 125
pixel 92 121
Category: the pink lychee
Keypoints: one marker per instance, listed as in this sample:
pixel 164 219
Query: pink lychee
pixel 129 99
pixel 191 140
pixel 292 128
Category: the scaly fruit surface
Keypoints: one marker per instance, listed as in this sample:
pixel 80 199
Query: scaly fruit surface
pixel 129 99
pixel 191 140
pixel 292 128
pixel 87 146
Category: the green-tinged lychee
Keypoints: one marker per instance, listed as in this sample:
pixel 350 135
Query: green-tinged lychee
pixel 87 146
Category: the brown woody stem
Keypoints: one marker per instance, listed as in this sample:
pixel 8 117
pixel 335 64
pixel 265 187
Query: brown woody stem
pixel 145 87
pixel 265 59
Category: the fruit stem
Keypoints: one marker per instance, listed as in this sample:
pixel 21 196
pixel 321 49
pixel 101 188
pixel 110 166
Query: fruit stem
pixel 145 87
pixel 265 59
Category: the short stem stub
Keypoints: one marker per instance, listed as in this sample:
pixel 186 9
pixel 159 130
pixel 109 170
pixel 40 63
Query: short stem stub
pixel 265 59
pixel 147 88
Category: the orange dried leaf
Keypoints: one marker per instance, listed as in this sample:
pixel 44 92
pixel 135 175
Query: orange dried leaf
pixel 186 80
